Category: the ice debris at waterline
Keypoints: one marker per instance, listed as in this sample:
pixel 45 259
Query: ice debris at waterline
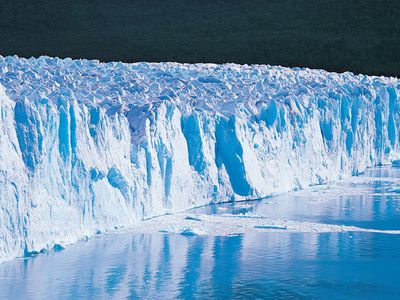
pixel 235 224
pixel 86 147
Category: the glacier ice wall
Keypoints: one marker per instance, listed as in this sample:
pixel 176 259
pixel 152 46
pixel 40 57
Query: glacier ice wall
pixel 87 146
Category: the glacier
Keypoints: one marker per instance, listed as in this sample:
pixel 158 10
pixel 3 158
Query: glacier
pixel 87 147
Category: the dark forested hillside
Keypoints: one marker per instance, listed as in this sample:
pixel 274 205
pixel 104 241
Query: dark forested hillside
pixel 362 36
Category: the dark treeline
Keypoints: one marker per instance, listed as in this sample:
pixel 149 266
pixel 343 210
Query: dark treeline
pixel 362 36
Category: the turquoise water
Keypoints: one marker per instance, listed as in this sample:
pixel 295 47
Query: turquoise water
pixel 258 265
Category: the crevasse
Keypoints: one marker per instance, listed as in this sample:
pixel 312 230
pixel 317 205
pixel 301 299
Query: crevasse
pixel 87 147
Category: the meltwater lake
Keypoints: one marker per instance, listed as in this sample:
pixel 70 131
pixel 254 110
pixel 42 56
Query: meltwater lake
pixel 254 265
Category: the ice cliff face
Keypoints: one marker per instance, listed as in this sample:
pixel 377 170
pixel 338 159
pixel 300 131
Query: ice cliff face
pixel 86 146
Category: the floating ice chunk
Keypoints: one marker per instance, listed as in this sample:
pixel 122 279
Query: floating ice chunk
pixel 247 215
pixel 58 247
pixel 192 218
pixel 222 208
pixel 246 206
pixel 393 189
pixel 188 231
pixel 270 227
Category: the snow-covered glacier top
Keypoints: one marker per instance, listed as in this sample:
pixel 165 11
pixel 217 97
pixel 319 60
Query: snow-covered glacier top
pixel 220 88
pixel 88 146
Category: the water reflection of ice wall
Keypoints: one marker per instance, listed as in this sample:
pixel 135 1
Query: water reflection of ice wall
pixel 87 147
pixel 179 267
